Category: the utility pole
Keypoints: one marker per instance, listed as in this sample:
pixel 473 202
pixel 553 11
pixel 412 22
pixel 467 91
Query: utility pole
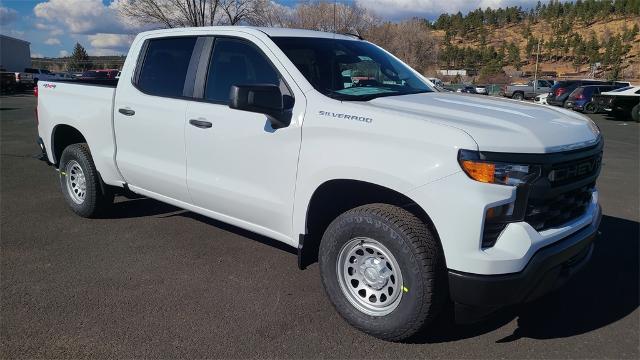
pixel 535 75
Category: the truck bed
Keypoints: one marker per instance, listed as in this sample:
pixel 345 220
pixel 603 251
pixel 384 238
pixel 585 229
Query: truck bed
pixel 86 105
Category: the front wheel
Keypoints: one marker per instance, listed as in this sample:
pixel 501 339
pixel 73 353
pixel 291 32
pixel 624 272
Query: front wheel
pixel 80 182
pixel 383 270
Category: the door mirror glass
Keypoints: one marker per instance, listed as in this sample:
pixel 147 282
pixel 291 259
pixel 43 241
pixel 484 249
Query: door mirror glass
pixel 263 99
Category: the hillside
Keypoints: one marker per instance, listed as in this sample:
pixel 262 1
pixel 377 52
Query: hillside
pixel 599 41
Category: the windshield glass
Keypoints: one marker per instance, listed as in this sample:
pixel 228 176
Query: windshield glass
pixel 350 69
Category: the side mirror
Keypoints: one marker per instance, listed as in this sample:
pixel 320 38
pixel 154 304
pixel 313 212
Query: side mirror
pixel 261 98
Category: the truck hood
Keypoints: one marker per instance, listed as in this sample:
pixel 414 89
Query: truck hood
pixel 496 124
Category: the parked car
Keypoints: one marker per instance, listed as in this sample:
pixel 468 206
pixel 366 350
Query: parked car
pixel 527 91
pixel 581 99
pixel 407 197
pixel 541 99
pixel 623 102
pixel 94 75
pixel 560 92
pixel 481 89
pixel 64 76
pixel 40 74
pixel 110 73
pixel 437 82
pixel 23 80
pixel 8 82
pixel 468 89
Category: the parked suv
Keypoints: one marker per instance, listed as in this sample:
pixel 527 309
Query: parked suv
pixel 581 99
pixel 561 90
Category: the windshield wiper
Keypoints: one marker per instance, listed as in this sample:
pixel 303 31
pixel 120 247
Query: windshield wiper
pixel 346 97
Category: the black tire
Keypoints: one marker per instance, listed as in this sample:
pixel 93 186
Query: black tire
pixel 94 201
pixel 517 96
pixel 417 253
pixel 590 108
pixel 635 113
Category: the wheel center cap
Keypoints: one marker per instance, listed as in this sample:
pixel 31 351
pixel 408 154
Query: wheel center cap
pixel 375 274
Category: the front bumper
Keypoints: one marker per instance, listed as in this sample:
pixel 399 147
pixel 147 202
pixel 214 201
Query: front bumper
pixel 549 268
pixel 555 102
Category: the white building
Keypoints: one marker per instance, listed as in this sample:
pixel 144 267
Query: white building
pixel 461 72
pixel 15 54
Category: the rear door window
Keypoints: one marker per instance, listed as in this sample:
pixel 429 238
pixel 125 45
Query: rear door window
pixel 165 66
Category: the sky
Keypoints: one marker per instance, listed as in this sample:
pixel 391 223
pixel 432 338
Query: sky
pixel 54 26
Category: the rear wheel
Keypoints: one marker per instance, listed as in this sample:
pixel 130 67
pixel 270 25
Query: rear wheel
pixel 590 108
pixel 635 113
pixel 383 270
pixel 80 182
pixel 517 96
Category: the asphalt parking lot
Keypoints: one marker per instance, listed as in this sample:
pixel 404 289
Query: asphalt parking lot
pixel 151 280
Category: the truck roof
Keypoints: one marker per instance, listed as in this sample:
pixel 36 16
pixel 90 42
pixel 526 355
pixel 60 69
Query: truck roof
pixel 269 31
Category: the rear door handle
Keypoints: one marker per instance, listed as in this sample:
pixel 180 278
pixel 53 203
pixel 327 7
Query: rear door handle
pixel 126 112
pixel 202 124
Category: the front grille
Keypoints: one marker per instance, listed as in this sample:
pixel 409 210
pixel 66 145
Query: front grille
pixel 573 171
pixel 562 191
pixel 552 212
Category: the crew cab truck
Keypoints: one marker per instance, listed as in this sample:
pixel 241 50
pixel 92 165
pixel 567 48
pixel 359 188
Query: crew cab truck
pixel 407 197
pixel 527 91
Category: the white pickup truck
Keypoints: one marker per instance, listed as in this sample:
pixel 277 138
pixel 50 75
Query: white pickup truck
pixel 407 197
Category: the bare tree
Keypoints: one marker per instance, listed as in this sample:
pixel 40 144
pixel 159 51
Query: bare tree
pixel 334 17
pixel 410 41
pixel 269 14
pixel 183 13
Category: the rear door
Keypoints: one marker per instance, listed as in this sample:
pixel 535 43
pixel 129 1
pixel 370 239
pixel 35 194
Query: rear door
pixel 149 118
pixel 238 165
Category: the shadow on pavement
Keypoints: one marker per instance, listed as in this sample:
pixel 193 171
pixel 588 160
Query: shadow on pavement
pixel 605 291
pixel 134 206
pixel 138 207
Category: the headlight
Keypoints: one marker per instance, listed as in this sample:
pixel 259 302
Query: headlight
pixel 496 172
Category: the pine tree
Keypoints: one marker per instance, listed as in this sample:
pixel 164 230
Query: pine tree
pixel 79 59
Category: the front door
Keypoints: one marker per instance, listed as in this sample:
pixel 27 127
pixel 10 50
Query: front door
pixel 238 165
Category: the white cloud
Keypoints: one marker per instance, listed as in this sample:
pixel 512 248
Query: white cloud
pixel 85 16
pixel 105 52
pixel 7 15
pixel 63 53
pixel 52 41
pixel 403 9
pixel 110 41
pixel 51 29
pixel 37 55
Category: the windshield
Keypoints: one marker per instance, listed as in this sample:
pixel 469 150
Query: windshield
pixel 350 69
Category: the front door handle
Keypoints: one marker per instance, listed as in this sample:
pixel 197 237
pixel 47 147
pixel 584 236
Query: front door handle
pixel 126 112
pixel 202 124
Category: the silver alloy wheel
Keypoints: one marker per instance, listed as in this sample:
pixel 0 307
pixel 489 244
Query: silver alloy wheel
pixel 76 182
pixel 369 276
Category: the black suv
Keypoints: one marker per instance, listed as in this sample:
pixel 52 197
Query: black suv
pixel 560 91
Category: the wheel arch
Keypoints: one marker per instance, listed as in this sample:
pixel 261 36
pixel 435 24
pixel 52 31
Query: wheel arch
pixel 333 197
pixel 62 136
